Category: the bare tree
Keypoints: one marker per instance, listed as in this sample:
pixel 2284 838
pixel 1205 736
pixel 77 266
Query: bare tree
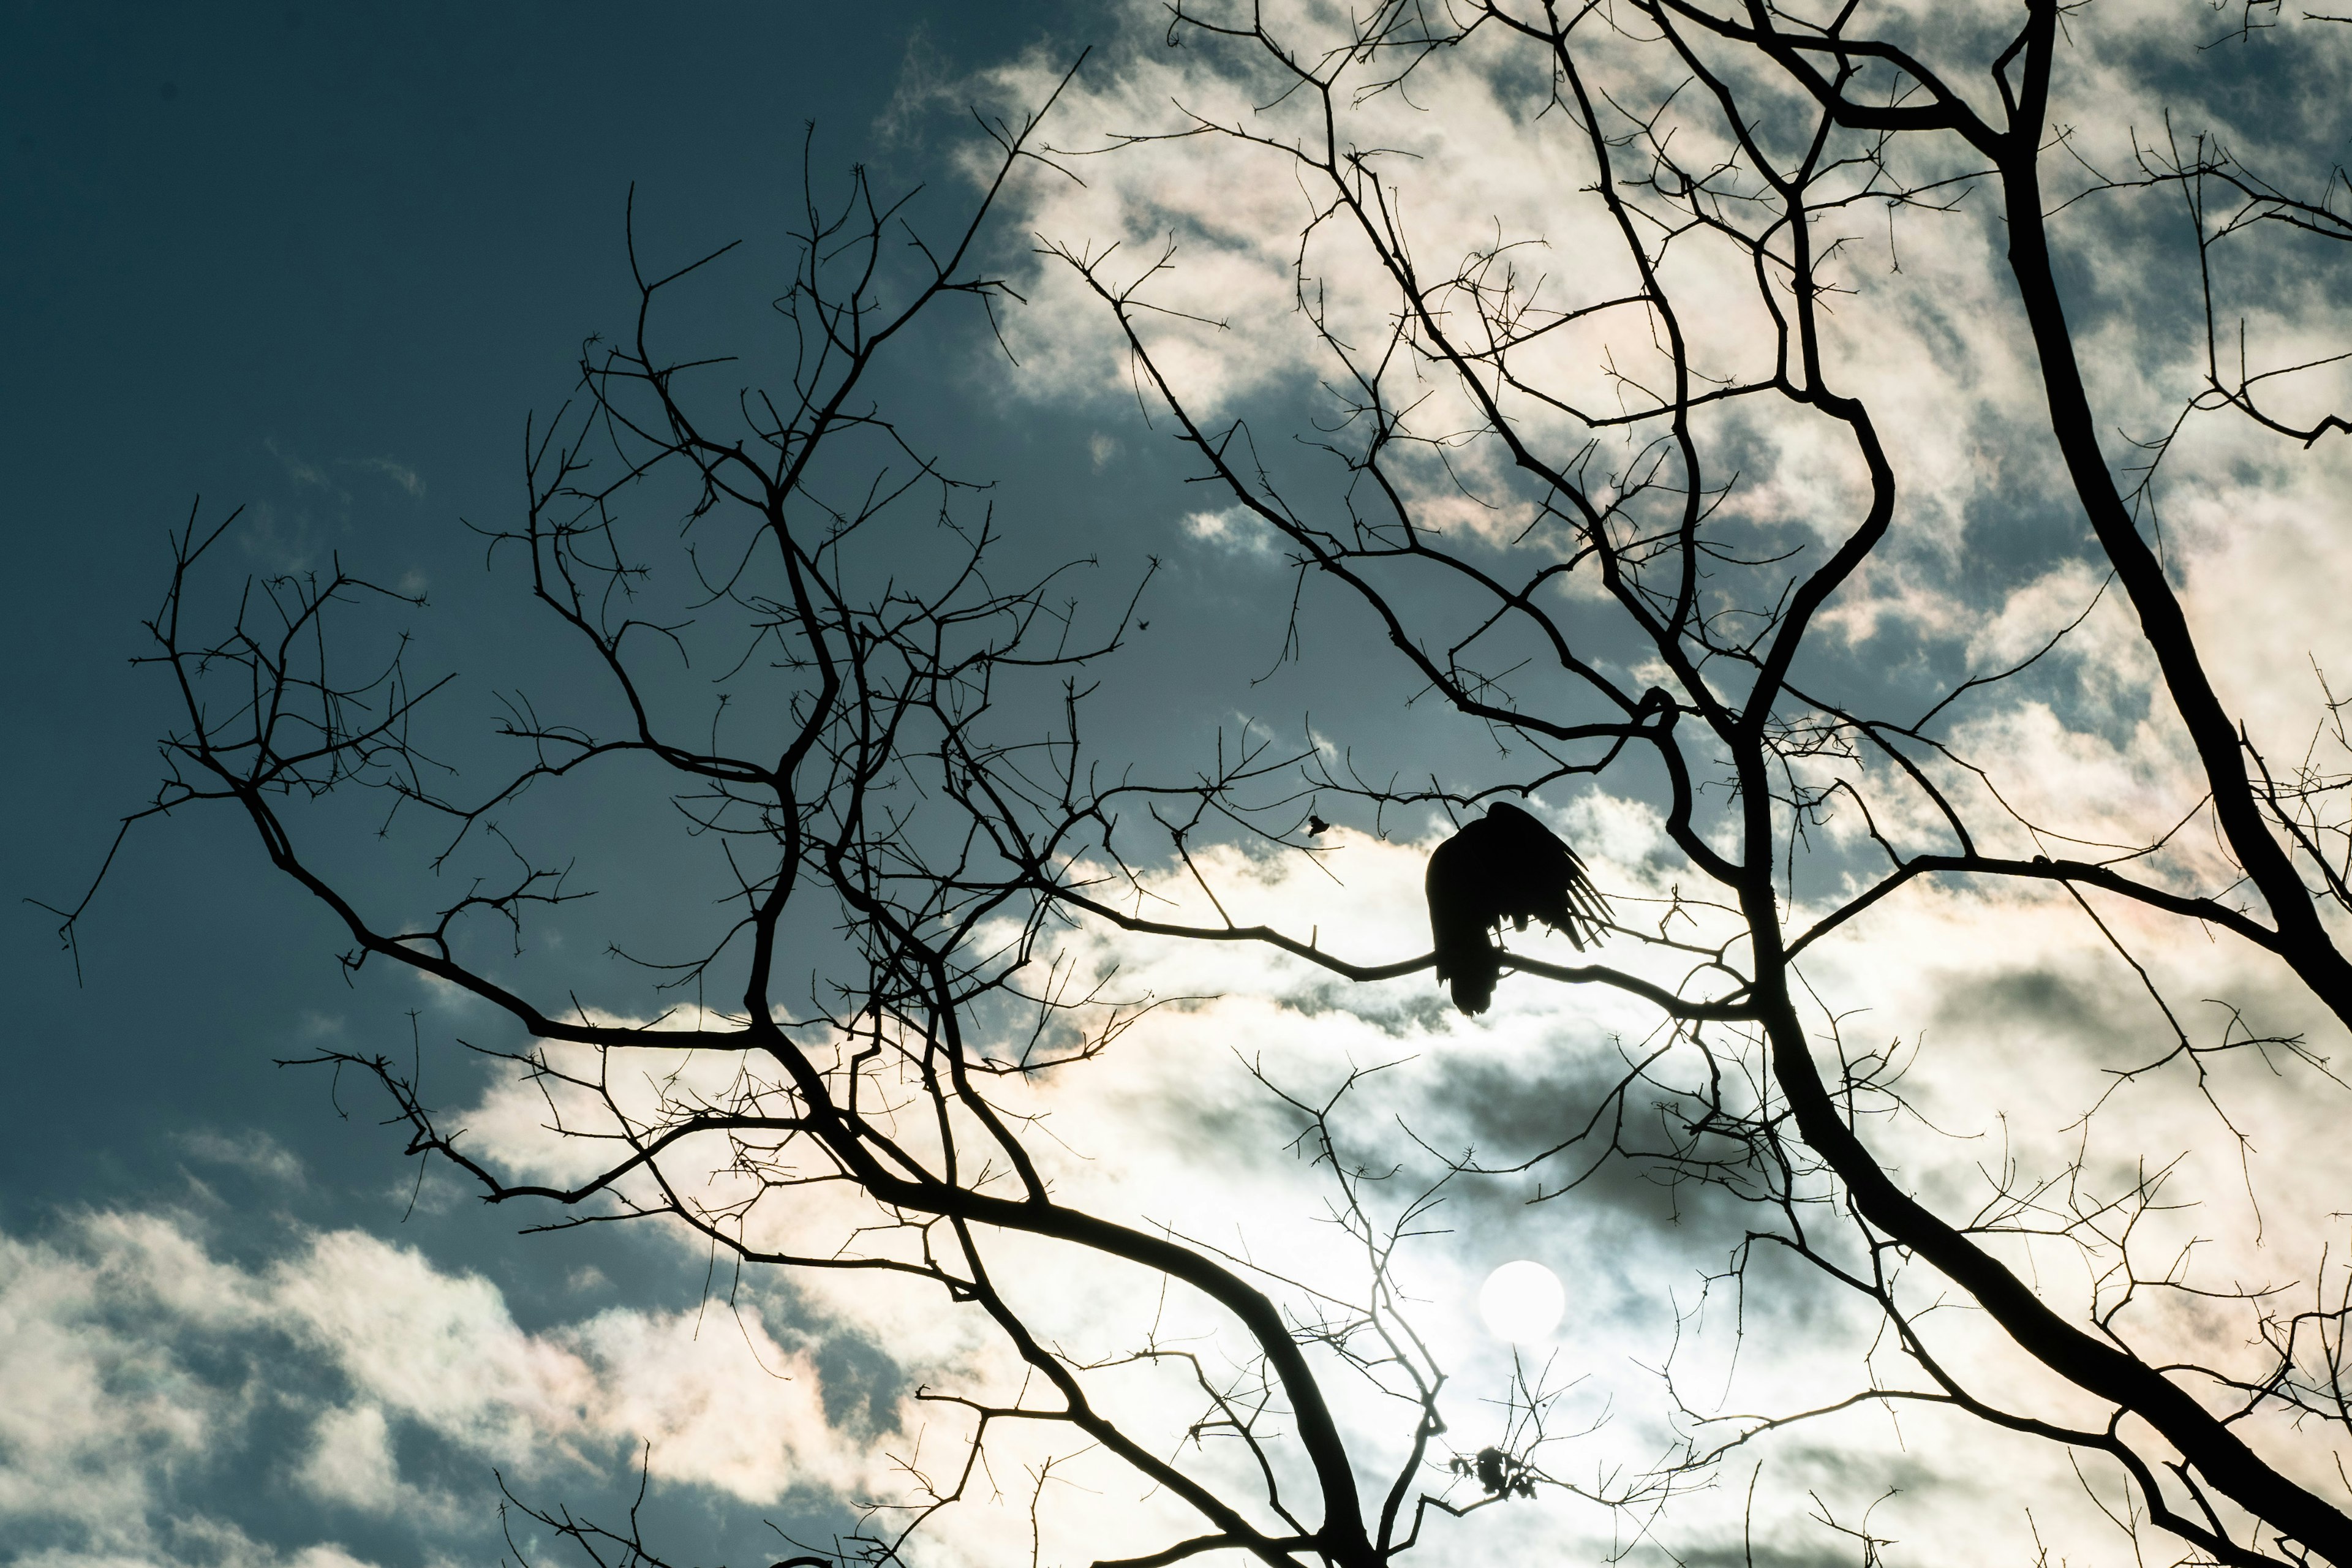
pixel 887 824
pixel 839 1082
pixel 1740 143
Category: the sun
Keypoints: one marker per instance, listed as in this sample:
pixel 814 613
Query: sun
pixel 1522 1301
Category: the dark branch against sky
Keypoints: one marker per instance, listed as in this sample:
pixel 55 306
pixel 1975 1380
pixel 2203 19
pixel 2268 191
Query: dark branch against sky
pixel 323 266
pixel 321 261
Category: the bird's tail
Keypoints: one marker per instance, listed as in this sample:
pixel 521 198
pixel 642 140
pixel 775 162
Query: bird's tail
pixel 1472 973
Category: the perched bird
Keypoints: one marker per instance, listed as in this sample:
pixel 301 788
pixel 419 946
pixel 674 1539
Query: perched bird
pixel 1505 866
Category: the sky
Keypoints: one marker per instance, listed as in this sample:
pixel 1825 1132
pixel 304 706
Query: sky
pixel 322 264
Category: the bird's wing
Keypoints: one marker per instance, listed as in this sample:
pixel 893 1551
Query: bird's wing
pixel 1542 875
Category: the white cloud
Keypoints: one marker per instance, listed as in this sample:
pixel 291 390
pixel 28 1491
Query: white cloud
pixel 351 1459
pixel 195 1541
pixel 438 1349
pixel 2020 1014
pixel 251 1150
pixel 1235 531
pixel 114 1335
pixel 1171 1132
pixel 93 1414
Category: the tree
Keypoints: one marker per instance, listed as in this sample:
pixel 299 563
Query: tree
pixel 1542 493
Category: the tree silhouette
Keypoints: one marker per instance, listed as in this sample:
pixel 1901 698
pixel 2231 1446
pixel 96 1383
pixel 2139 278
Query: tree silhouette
pixel 1749 133
pixel 887 821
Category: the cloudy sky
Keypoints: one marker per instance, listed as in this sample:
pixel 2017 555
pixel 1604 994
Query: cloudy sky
pixel 322 265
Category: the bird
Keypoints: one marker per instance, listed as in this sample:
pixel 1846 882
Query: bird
pixel 1505 866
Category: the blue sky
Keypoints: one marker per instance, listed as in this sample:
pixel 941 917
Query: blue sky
pixel 321 264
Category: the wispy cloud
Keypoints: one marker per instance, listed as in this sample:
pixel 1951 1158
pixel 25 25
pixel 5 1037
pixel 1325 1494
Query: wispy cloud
pixel 139 1362
pixel 400 474
pixel 1235 531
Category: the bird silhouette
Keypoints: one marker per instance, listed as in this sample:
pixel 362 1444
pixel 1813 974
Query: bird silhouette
pixel 1505 866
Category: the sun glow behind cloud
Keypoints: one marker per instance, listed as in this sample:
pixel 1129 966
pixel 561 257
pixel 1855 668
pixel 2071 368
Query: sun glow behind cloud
pixel 1174 1129
pixel 2013 1011
pixel 1177 1128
